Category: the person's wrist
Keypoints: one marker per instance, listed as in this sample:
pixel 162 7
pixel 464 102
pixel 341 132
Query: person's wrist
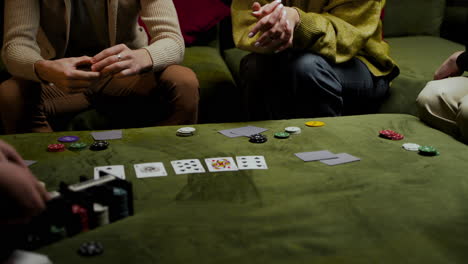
pixel 41 72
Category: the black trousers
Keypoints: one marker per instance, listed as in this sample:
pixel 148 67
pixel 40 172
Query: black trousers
pixel 303 85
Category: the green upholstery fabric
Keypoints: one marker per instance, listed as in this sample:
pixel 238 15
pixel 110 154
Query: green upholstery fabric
pixel 233 58
pixel 418 58
pixel 415 17
pixel 393 206
pixel 219 101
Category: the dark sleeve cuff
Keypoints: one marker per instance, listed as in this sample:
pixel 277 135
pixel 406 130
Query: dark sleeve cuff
pixel 462 61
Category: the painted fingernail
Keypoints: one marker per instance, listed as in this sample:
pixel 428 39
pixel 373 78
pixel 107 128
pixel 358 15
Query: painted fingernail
pixel 281 6
pixel 251 34
pixel 279 1
pixel 257 44
pixel 284 12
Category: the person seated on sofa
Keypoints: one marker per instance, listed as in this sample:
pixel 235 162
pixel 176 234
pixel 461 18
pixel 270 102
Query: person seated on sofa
pixel 312 58
pixel 67 56
pixel 21 197
pixel 443 103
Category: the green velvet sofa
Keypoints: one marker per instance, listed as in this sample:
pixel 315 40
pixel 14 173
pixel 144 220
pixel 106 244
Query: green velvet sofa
pixel 421 34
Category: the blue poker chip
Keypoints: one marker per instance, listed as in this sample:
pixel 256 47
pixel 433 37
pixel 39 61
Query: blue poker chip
pixel 68 139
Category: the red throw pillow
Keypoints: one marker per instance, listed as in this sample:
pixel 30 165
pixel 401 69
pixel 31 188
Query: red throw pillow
pixel 197 16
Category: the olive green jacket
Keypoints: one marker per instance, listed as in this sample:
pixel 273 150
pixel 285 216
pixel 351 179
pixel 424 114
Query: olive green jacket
pixel 336 29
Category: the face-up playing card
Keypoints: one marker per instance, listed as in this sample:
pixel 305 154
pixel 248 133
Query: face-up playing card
pixel 341 159
pixel 251 163
pixel 315 155
pixel 187 166
pixel 221 164
pixel 116 170
pixel 146 170
pixel 107 135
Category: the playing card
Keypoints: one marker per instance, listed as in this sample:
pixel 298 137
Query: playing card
pixel 107 135
pixel 29 162
pixel 115 170
pixel 315 155
pixel 145 170
pixel 341 159
pixel 187 166
pixel 221 164
pixel 242 131
pixel 251 163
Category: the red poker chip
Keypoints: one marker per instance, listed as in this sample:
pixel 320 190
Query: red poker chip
pixel 56 147
pixel 390 134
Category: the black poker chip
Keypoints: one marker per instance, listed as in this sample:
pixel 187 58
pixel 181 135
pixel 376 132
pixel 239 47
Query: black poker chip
pixel 99 145
pixel 89 249
pixel 258 138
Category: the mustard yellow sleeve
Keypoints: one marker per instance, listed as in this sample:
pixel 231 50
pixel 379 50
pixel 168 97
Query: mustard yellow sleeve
pixel 242 22
pixel 341 30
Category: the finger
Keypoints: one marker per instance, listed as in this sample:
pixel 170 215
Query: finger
pixel 259 26
pixel 116 67
pixel 256 7
pixel 269 8
pixel 267 22
pixel 43 191
pixel 285 46
pixel 83 60
pixel 125 73
pixel 84 75
pixel 12 155
pixel 98 67
pixel 114 50
pixel 264 40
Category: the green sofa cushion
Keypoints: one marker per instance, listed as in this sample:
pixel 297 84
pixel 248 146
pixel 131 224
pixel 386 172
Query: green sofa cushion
pixel 220 98
pixel 233 59
pixel 415 17
pixel 393 206
pixel 418 58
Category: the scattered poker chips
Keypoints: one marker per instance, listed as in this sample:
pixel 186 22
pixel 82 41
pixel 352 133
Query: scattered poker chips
pixel 185 131
pixel 99 145
pixel 293 130
pixel 411 146
pixel 282 135
pixel 315 124
pixel 56 148
pixel 68 139
pixel 390 134
pixel 77 146
pixel 258 138
pixel 89 249
pixel 428 151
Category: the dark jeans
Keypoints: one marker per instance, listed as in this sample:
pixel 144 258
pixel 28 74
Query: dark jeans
pixel 303 85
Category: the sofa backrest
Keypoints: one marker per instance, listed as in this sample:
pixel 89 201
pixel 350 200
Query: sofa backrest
pixel 414 17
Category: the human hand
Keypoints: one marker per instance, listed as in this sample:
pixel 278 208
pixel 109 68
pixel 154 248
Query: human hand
pixel 9 154
pixel 277 24
pixel 121 61
pixel 68 74
pixel 21 194
pixel 449 68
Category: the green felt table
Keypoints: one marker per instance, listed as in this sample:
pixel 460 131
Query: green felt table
pixel 393 206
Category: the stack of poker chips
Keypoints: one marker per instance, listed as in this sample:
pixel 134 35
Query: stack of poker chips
pixel 99 145
pixel 258 138
pixel 89 249
pixel 428 151
pixel 293 130
pixel 282 135
pixel 56 148
pixel 101 213
pixel 185 131
pixel 390 134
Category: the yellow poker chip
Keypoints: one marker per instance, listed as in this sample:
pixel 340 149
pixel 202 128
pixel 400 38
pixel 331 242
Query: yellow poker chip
pixel 314 123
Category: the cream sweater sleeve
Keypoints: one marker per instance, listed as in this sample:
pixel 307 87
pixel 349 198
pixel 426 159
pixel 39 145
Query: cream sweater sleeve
pixel 166 44
pixel 20 49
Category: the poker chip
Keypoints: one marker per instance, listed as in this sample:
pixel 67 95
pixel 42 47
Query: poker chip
pixel 282 135
pixel 258 138
pixel 428 151
pixel 314 123
pixel 390 134
pixel 56 148
pixel 68 139
pixel 185 131
pixel 99 145
pixel 89 249
pixel 77 146
pixel 411 146
pixel 293 130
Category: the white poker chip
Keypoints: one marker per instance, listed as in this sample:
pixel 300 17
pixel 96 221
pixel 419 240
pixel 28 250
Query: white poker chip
pixel 411 146
pixel 186 130
pixel 293 130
